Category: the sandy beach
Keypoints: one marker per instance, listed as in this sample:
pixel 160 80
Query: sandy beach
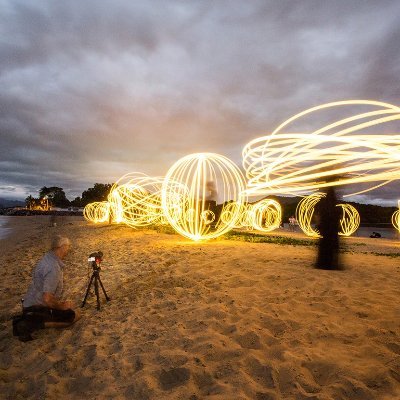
pixel 219 320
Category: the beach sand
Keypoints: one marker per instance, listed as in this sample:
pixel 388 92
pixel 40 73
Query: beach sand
pixel 218 320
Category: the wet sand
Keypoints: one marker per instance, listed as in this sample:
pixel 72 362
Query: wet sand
pixel 218 320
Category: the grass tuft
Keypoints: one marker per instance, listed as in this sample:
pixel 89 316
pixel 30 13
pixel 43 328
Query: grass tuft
pixel 258 238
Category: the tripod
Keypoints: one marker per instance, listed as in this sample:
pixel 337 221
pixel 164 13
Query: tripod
pixel 96 279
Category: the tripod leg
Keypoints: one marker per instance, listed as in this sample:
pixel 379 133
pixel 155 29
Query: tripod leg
pixel 96 290
pixel 104 290
pixel 87 290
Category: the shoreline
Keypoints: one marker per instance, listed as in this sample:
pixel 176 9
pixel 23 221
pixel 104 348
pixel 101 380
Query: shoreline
pixel 392 236
pixel 5 229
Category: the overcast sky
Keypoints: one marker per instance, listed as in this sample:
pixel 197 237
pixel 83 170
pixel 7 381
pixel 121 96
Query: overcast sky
pixel 91 90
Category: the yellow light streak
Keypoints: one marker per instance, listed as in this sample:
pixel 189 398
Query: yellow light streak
pixel 97 212
pixel 186 193
pixel 349 222
pixel 305 213
pixel 289 162
pixel 246 217
pixel 396 218
pixel 136 200
pixel 232 209
pixel 267 215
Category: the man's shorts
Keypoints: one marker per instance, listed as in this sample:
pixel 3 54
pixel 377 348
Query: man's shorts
pixel 46 314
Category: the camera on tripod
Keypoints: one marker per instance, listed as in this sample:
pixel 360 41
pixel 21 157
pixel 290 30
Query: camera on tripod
pixel 95 260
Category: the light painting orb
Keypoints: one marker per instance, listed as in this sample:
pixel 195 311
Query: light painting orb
pixel 349 222
pixel 97 212
pixel 136 200
pixel 246 217
pixel 197 191
pixel 267 215
pixel 291 161
pixel 233 208
pixel 396 218
pixel 305 213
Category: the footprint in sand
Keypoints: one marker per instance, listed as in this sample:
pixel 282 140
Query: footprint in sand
pixel 249 340
pixel 261 373
pixel 174 377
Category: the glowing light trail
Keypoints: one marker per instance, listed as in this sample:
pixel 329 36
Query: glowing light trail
pixel 396 218
pixel 136 200
pixel 204 194
pixel 305 212
pixel 97 212
pixel 349 222
pixel 298 163
pixel 267 215
pixel 193 187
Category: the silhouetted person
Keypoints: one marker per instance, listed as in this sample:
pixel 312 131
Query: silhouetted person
pixel 375 235
pixel 328 246
pixel 210 201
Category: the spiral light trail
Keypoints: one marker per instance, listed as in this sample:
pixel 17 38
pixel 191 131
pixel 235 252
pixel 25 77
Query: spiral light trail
pixel 305 212
pixel 231 210
pixel 267 215
pixel 291 162
pixel 97 212
pixel 193 187
pixel 136 200
pixel 396 218
pixel 349 222
pixel 246 217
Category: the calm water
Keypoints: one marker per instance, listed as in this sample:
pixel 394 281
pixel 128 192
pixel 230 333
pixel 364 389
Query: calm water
pixel 4 230
pixel 387 232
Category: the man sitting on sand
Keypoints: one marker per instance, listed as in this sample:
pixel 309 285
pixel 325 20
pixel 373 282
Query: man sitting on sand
pixel 42 305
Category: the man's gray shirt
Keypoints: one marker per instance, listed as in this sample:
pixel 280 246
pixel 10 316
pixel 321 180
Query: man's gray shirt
pixel 47 277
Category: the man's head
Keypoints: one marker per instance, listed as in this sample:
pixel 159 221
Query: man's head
pixel 60 245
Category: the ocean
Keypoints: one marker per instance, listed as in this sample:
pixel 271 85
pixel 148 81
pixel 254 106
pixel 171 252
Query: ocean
pixel 4 230
pixel 387 231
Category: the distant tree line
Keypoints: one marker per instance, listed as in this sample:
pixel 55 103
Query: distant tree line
pixel 370 214
pixel 54 196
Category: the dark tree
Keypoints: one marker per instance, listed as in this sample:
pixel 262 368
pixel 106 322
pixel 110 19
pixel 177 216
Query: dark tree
pixel 98 192
pixel 56 196
pixel 31 202
pixel 76 202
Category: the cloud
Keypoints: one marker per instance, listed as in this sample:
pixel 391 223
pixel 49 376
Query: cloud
pixel 92 90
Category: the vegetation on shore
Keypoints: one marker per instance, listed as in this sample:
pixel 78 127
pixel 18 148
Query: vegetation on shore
pixel 260 238
pixel 56 196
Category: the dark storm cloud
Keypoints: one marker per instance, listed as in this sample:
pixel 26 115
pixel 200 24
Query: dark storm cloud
pixel 383 65
pixel 92 90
